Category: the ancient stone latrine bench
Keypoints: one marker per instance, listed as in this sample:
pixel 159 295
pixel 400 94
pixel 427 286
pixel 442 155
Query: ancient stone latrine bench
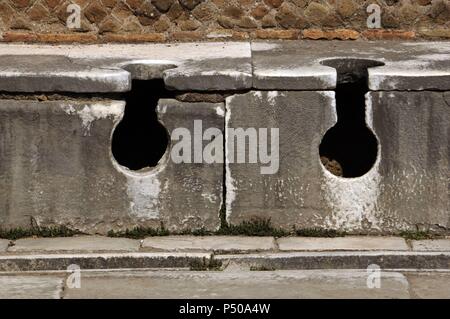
pixel 350 136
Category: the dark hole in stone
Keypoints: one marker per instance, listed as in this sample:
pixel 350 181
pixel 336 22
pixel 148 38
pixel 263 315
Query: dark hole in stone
pixel 349 149
pixel 139 140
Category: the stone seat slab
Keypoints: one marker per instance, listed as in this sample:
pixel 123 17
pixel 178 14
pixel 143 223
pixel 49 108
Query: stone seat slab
pixel 360 243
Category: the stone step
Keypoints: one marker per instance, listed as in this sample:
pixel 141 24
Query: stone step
pixel 146 284
pixel 340 260
pixel 16 263
pixel 96 252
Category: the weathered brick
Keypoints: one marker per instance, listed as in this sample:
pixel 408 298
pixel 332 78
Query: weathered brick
pixel 134 38
pixel 186 35
pixel 422 2
pixel 67 37
pixel 276 34
pixel 110 24
pixel 340 34
pixel 19 37
pixel 388 34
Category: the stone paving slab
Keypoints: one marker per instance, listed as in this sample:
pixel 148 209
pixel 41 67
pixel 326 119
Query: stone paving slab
pixel 429 285
pixel 213 243
pixel 30 287
pixel 254 284
pixel 431 245
pixel 75 244
pixel 285 65
pixel 342 243
pixel 4 243
pixel 72 145
pixel 339 260
pixel 44 262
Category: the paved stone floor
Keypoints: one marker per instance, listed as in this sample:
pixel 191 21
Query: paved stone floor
pixel 231 283
pixel 262 267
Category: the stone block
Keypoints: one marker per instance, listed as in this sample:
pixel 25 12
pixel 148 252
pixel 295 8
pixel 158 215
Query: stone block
pixel 412 129
pixel 431 245
pixel 292 194
pixel 31 287
pixel 57 168
pixel 351 243
pixel 74 244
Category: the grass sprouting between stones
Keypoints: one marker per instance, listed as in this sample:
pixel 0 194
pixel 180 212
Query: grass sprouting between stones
pixel 43 232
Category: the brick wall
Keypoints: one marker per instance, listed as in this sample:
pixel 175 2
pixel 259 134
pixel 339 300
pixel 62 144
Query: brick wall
pixel 193 20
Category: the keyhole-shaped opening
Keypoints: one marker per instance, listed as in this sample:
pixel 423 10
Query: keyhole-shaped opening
pixel 139 140
pixel 349 149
